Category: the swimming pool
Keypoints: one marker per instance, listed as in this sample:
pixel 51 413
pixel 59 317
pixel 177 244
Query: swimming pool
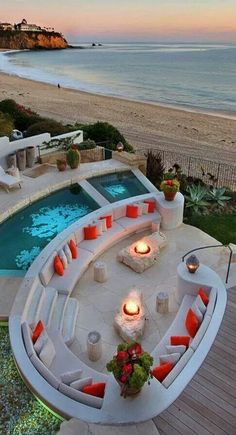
pixel 26 233
pixel 121 185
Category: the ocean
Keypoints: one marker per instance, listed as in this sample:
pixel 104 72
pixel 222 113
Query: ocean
pixel 192 76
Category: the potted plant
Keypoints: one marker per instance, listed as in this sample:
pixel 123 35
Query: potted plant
pixel 170 187
pixel 73 157
pixel 130 367
pixel 61 164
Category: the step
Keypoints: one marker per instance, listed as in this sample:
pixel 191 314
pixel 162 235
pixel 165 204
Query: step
pixel 69 321
pixel 58 312
pixel 36 305
pixel 48 306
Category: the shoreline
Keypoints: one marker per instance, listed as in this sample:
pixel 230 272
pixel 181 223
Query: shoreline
pixel 144 124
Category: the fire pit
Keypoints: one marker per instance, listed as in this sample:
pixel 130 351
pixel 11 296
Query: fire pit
pixel 129 322
pixel 144 253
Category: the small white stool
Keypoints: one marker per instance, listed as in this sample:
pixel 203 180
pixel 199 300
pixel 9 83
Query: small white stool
pixel 94 345
pixel 162 303
pixel 100 271
pixel 155 226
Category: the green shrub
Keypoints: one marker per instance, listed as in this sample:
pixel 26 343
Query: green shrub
pixel 105 132
pixel 6 124
pixel 155 168
pixel 47 126
pixel 86 145
pixel 23 117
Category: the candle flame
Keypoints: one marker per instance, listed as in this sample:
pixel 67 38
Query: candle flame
pixel 142 248
pixel 131 307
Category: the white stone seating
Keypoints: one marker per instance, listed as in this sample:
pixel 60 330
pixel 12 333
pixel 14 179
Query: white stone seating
pixel 69 321
pixel 178 328
pixel 59 311
pixel 48 305
pixel 36 304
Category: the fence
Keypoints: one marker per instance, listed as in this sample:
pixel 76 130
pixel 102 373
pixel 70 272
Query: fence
pixel 219 174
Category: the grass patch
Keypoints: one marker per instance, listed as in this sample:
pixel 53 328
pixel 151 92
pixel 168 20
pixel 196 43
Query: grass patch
pixel 221 227
pixel 20 412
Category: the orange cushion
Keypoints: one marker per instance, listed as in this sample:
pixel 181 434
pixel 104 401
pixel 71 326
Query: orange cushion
pixel 192 323
pixel 203 295
pixel 58 266
pixel 151 205
pixel 132 211
pixel 37 331
pixel 176 340
pixel 108 220
pixel 73 249
pixel 90 233
pixel 97 390
pixel 161 371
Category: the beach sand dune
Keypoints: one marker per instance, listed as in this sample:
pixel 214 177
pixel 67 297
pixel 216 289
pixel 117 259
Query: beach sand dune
pixel 144 125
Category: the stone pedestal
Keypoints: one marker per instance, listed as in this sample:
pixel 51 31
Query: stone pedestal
pixel 100 271
pixel 162 303
pixel 130 328
pixel 94 345
pixel 135 160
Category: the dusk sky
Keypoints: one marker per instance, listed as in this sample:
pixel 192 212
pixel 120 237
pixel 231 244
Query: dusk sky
pixel 129 20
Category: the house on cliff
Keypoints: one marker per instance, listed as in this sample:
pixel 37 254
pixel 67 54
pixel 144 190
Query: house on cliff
pixel 25 27
pixel 6 26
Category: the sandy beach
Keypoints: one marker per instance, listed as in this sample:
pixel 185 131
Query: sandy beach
pixel 144 125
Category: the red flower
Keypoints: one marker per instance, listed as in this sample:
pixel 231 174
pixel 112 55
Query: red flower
pixel 169 182
pixel 127 369
pixel 135 350
pixel 122 356
pixel 123 378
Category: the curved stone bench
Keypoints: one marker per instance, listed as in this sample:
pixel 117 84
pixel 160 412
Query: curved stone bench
pixel 47 384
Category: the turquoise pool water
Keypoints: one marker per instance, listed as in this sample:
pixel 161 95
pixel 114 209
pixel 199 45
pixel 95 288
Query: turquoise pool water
pixel 121 185
pixel 26 233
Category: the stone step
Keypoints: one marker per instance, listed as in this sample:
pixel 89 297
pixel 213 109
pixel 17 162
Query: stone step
pixel 69 320
pixel 78 427
pixel 48 306
pixel 36 305
pixel 58 312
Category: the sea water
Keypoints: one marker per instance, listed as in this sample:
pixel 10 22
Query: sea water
pixel 197 76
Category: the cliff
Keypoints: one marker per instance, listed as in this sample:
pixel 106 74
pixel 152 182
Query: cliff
pixel 18 40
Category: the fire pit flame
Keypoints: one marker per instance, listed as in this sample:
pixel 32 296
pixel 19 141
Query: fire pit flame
pixel 131 308
pixel 142 248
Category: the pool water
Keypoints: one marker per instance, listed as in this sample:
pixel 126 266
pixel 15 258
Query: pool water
pixel 121 185
pixel 26 233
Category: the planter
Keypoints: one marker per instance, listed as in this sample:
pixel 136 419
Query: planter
pixel 127 391
pixel 170 196
pixel 61 166
pixel 30 156
pixel 73 158
pixel 11 160
pixel 21 159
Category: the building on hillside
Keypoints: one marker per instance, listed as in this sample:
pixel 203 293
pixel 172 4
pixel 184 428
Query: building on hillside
pixel 25 27
pixel 6 26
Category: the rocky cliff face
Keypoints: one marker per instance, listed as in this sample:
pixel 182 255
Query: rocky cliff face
pixel 16 40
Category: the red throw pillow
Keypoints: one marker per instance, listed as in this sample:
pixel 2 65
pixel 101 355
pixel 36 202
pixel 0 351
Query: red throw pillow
pixel 161 371
pixel 58 266
pixel 37 331
pixel 73 249
pixel 132 211
pixel 151 205
pixel 97 390
pixel 192 323
pixel 90 233
pixel 176 340
pixel 203 295
pixel 108 220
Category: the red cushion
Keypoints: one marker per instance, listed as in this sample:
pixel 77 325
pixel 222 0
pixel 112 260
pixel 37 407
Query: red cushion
pixel 73 249
pixel 161 371
pixel 108 220
pixel 132 211
pixel 90 233
pixel 203 295
pixel 58 266
pixel 37 331
pixel 192 323
pixel 176 340
pixel 151 205
pixel 97 390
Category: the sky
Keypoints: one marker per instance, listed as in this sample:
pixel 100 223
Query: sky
pixel 129 20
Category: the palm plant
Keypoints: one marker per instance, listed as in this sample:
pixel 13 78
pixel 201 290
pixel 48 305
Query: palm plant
pixel 217 195
pixel 196 198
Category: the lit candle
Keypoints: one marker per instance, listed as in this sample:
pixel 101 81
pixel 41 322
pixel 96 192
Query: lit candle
pixel 142 248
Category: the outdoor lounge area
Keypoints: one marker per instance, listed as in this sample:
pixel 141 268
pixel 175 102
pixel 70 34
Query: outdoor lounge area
pixel 72 305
